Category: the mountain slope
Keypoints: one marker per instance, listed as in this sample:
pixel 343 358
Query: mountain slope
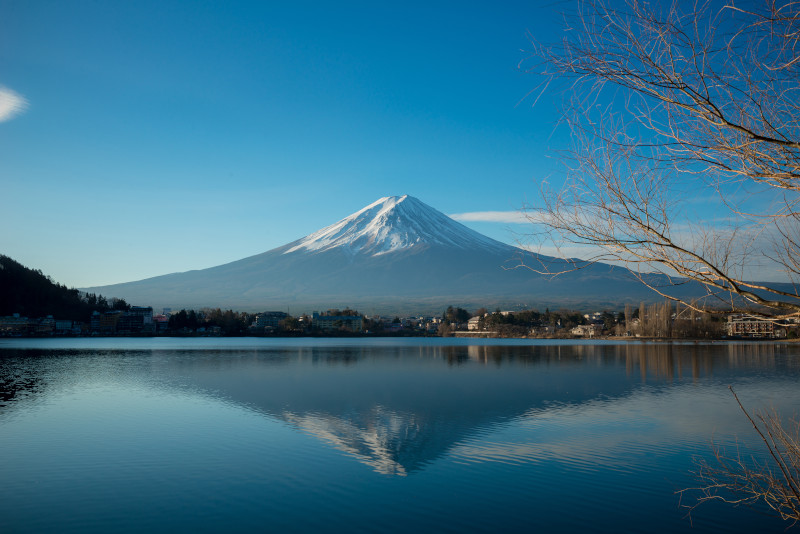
pixel 394 255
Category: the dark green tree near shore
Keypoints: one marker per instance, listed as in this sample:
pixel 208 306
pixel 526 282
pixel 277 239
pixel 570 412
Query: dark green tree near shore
pixel 231 323
pixel 31 293
pixel 669 102
pixel 290 324
pixel 455 315
pixel 184 319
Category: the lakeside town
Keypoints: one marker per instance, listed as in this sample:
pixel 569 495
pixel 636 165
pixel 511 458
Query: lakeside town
pixel 33 305
pixel 663 321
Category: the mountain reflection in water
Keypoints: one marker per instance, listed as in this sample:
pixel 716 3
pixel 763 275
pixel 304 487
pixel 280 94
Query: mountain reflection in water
pixel 397 419
pixel 396 409
pixel 373 435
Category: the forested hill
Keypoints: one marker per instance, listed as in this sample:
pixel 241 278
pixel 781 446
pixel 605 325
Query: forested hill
pixel 32 294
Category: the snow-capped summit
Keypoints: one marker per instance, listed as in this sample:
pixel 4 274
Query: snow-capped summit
pixel 391 224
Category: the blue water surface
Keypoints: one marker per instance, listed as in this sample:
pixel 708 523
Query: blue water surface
pixel 384 435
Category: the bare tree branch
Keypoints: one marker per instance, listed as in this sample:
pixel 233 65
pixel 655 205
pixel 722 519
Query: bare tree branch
pixel 740 480
pixel 699 96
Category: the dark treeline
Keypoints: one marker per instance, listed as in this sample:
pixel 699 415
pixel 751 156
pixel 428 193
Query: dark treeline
pixel 517 323
pixel 214 321
pixel 229 322
pixel 659 320
pixel 32 294
pixel 520 323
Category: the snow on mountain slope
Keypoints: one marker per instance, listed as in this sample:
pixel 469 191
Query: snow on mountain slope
pixel 392 224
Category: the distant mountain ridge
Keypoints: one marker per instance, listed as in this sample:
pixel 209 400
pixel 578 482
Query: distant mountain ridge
pixel 395 255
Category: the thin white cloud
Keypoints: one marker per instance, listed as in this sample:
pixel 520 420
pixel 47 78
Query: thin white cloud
pixel 492 216
pixel 11 104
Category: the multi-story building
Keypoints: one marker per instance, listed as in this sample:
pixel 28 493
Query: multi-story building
pixel 107 322
pixel 748 326
pixel 353 323
pixel 129 323
pixel 145 312
pixel 137 320
pixel 269 319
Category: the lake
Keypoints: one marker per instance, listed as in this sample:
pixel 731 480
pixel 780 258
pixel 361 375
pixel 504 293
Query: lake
pixel 375 435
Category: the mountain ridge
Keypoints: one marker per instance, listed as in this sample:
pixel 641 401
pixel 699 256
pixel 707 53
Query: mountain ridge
pixel 397 254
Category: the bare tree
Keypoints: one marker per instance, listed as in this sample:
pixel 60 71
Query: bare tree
pixel 666 103
pixel 743 480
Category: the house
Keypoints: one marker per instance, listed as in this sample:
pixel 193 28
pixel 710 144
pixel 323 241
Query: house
pixel 587 330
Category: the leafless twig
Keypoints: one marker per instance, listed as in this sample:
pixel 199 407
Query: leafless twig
pixel 745 480
pixel 695 97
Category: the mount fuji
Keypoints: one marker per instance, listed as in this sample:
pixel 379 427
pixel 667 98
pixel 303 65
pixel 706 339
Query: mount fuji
pixel 396 255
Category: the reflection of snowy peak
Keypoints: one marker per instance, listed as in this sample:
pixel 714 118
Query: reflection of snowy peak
pixel 379 443
pixel 391 224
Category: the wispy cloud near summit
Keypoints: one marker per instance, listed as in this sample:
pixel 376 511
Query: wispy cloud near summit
pixel 11 104
pixel 492 216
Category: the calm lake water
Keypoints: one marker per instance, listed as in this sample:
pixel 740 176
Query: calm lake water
pixel 387 435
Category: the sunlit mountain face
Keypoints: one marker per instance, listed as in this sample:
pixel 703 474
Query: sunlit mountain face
pixel 393 225
pixel 396 255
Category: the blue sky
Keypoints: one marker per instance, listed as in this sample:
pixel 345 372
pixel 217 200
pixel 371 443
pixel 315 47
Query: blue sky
pixel 142 138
